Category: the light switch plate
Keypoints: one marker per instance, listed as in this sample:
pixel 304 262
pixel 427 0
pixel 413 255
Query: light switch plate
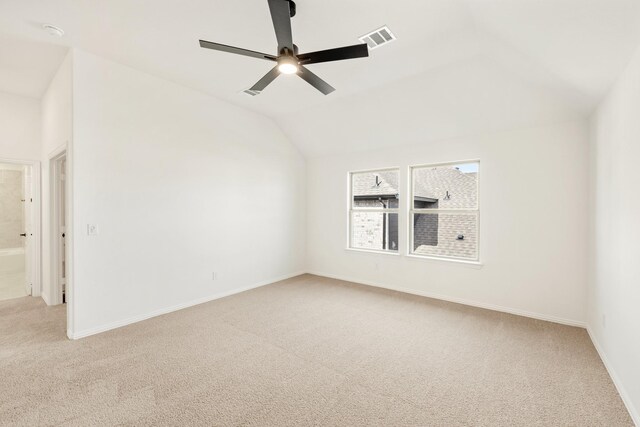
pixel 92 230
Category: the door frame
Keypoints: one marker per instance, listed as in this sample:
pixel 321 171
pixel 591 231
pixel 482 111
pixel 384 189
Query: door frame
pixel 54 215
pixel 54 244
pixel 34 255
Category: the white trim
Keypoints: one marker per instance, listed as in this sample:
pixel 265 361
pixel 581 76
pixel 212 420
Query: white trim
pixel 161 311
pixel 452 163
pixel 36 179
pixel 56 152
pixel 633 412
pixel 45 298
pixel 374 251
pixel 65 149
pixel 517 312
pixel 54 221
pixel 376 210
pixel 383 169
pixel 443 211
pixel 70 284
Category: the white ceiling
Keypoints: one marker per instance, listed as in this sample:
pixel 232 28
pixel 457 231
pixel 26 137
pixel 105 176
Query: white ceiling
pixel 507 62
pixel 27 67
pixel 458 100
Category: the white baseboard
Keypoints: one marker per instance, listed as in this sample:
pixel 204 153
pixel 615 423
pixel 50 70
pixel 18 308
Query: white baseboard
pixel 44 298
pixel 159 312
pixel 463 301
pixel 633 412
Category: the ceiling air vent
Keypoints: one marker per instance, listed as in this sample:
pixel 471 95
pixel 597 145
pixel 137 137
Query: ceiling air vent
pixel 378 37
pixel 251 92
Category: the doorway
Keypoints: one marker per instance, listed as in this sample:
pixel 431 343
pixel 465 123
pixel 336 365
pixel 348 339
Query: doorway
pixel 59 199
pixel 19 229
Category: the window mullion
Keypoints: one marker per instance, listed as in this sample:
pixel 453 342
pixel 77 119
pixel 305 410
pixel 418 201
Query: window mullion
pixel 446 211
pixel 394 210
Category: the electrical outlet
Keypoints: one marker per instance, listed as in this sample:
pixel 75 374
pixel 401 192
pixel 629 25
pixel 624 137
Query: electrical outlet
pixel 92 230
pixel 214 276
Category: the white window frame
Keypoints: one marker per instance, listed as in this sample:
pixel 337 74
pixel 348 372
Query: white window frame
pixel 352 209
pixel 411 211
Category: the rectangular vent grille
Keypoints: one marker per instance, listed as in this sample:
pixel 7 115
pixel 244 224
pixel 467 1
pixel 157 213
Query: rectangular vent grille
pixel 379 37
pixel 251 92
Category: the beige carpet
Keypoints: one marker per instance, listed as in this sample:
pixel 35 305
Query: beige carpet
pixel 306 351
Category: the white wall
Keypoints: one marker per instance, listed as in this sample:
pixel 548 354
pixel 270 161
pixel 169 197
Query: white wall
pixel 614 288
pixel 180 185
pixel 57 111
pixel 19 127
pixel 533 200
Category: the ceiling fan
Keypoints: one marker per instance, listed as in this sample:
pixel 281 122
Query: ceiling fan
pixel 289 61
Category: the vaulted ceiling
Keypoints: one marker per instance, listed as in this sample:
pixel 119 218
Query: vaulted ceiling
pixel 470 65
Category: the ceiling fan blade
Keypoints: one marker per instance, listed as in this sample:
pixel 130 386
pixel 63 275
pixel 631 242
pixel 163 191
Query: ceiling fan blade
pixel 238 51
pixel 315 81
pixel 337 54
pixel 281 17
pixel 264 82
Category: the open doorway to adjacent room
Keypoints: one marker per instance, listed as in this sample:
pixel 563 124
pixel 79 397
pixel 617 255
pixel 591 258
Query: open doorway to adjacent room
pixel 59 210
pixel 19 229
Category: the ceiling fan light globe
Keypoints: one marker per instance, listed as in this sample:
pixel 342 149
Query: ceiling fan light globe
pixel 287 65
pixel 288 68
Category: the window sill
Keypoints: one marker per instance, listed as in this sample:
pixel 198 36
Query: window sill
pixel 373 251
pixel 471 264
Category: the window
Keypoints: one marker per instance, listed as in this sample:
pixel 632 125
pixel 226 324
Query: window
pixel 373 210
pixel 444 213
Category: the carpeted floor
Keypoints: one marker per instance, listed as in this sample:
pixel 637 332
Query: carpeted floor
pixel 306 351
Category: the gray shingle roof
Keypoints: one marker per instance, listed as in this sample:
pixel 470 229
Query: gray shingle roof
pixel 434 183
pixel 365 183
pixel 449 227
pixel 431 182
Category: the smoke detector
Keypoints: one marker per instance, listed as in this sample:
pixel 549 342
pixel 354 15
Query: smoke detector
pixel 52 30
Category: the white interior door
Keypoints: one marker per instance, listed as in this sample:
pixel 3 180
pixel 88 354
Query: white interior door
pixel 27 198
pixel 62 227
